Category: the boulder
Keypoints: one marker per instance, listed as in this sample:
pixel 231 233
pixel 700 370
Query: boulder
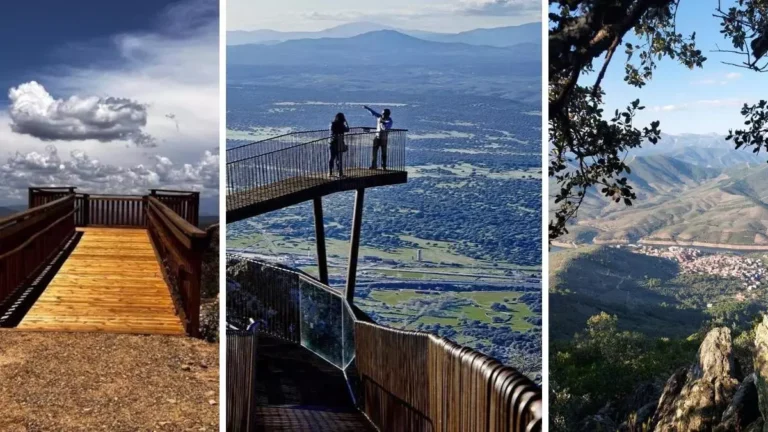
pixel 743 409
pixel 761 365
pixel 708 388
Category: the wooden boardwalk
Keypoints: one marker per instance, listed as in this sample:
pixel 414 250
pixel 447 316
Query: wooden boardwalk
pixel 111 282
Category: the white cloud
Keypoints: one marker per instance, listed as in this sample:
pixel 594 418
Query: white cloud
pixel 35 112
pixel 441 16
pixel 709 103
pixel 720 79
pixel 499 7
pixel 47 168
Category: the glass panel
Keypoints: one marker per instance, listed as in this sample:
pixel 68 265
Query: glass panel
pixel 321 322
pixel 348 334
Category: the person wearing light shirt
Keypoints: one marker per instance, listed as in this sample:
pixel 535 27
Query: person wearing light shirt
pixel 383 124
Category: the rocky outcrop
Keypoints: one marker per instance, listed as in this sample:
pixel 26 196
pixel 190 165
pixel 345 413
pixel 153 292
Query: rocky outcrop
pixel 743 409
pixel 696 400
pixel 667 402
pixel 760 362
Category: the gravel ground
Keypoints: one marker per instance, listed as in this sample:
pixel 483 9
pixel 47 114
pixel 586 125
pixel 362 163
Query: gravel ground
pixel 92 382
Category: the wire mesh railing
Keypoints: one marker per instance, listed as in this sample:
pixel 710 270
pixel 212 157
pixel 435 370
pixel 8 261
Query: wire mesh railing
pixel 401 380
pixel 255 176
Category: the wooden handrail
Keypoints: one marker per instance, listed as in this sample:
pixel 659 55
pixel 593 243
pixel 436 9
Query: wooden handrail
pixel 185 227
pixel 173 191
pixel 30 238
pixel 179 246
pixel 36 236
pixel 31 211
pixel 455 387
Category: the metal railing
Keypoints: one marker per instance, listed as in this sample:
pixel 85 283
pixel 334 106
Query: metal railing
pixel 270 169
pixel 281 142
pixel 402 380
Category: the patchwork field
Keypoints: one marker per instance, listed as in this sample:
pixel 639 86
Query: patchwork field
pixel 447 308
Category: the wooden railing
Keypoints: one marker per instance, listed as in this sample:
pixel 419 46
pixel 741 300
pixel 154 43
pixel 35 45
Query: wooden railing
pixel 402 380
pixel 241 380
pixel 185 204
pixel 119 210
pixel 28 239
pixel 439 385
pixel 180 247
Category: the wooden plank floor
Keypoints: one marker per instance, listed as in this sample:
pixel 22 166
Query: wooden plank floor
pixel 110 283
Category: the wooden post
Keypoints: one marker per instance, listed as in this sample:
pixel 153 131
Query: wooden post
pixel 196 209
pixel 354 247
pixel 322 261
pixel 86 209
pixel 193 296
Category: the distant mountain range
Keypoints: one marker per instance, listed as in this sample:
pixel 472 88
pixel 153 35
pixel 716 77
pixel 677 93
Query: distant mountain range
pixel 691 188
pixel 496 37
pixel 387 48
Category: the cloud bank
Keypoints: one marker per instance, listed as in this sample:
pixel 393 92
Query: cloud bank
pixel 47 168
pixel 35 112
pixel 496 8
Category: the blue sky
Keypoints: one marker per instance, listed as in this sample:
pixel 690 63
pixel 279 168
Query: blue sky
pixel 111 97
pixel 430 15
pixel 698 101
pixel 46 34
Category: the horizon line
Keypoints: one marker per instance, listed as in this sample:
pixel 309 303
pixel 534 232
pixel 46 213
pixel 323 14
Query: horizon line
pixel 382 25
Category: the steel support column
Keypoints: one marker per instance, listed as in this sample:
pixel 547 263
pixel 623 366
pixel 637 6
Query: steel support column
pixel 354 246
pixel 322 261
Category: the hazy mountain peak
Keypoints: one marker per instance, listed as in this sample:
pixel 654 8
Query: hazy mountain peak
pixel 496 37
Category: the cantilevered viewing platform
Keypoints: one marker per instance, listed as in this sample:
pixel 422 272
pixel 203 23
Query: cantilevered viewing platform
pixel 290 169
pixel 102 263
pixel 302 357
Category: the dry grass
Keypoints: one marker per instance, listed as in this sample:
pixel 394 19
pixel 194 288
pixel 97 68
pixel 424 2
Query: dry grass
pixel 89 382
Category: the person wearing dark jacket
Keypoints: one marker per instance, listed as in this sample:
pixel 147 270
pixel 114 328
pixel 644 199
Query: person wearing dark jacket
pixel 338 128
pixel 383 124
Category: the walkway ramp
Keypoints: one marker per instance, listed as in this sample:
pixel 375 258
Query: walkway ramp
pixel 111 282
